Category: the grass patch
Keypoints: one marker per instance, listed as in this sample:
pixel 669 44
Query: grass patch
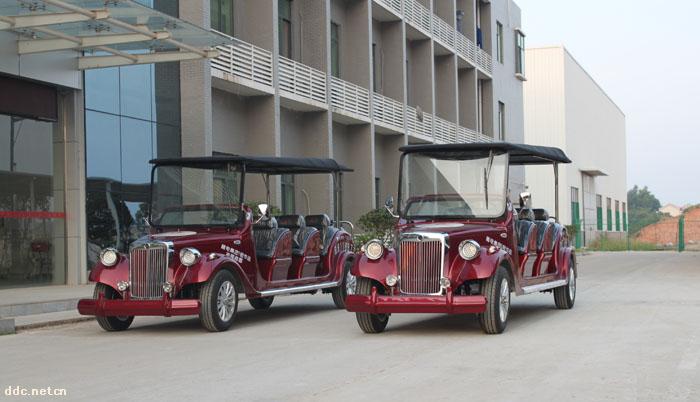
pixel 604 243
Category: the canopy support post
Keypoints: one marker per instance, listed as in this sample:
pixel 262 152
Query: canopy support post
pixel 556 191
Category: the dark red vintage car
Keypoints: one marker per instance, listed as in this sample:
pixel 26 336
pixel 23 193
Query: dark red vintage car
pixel 459 245
pixel 206 250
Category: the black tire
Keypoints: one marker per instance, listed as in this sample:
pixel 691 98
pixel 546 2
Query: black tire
pixel 261 303
pixel 370 323
pixel 111 324
pixel 209 313
pixel 565 296
pixel 341 292
pixel 494 320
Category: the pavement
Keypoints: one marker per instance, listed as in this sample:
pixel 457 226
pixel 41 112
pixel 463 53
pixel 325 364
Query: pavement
pixel 634 334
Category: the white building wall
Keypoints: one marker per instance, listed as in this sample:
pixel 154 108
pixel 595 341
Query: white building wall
pixel 566 108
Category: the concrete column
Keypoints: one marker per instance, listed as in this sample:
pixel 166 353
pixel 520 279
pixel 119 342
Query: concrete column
pixel 195 89
pixel 71 165
pixel 467 79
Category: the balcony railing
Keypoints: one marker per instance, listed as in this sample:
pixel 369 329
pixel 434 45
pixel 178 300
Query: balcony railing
pixel 245 61
pixel 467 135
pixel 387 111
pixel 484 60
pixel 443 31
pixel 445 131
pixel 301 80
pixel 420 127
pixel 393 5
pixel 417 15
pixel 349 97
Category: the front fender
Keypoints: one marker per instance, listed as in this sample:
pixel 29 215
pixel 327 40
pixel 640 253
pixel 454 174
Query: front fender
pixel 483 267
pixel 205 269
pixel 376 270
pixel 110 275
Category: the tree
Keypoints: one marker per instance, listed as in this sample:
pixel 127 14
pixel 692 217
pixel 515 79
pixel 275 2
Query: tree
pixel 643 208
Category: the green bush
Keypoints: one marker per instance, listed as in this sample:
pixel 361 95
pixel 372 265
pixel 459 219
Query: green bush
pixel 375 224
pixel 273 210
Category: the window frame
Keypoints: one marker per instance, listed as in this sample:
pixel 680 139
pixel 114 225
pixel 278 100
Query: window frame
pixel 285 21
pixel 519 52
pixel 499 42
pixel 335 49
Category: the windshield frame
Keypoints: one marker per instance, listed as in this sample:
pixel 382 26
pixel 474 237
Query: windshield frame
pixel 241 197
pixel 402 215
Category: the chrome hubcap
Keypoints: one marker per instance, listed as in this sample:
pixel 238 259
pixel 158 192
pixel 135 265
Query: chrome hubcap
pixel 572 284
pixel 504 300
pixel 226 300
pixel 350 283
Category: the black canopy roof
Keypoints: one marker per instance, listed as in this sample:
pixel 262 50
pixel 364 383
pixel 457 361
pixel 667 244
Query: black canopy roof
pixel 520 154
pixel 258 164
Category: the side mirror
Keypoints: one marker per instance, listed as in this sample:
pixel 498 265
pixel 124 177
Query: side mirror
pixel 389 206
pixel 526 200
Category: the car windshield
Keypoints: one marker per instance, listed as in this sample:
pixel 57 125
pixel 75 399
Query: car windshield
pixel 186 196
pixel 453 188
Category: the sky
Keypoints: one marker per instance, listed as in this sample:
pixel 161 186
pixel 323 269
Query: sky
pixel 646 55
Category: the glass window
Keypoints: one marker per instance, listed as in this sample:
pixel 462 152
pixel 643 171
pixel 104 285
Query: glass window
pixel 136 151
pixel 520 53
pixel 499 42
pixel 285 27
pixel 222 16
pixel 102 90
pixel 135 86
pixel 335 50
pixel 288 194
pixel 501 121
pixel 103 145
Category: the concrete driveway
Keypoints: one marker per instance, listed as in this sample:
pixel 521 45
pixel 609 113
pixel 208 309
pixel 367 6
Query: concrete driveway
pixel 634 334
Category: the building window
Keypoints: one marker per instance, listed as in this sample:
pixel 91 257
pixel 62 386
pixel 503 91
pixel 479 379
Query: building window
pixel 501 121
pixel 609 215
pixel 599 211
pixel 377 194
pixel 288 198
pixel 519 53
pixel 499 42
pixel 222 16
pixel 335 50
pixel 617 216
pixel 624 216
pixel 576 216
pixel 285 28
pixel 376 68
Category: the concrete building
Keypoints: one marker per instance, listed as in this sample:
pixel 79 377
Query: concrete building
pixel 672 210
pixel 356 79
pixel 566 108
pixel 348 79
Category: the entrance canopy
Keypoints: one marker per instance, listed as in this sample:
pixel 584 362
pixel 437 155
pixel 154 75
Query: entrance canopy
pixel 107 33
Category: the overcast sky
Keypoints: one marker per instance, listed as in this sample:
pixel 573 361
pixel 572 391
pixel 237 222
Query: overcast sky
pixel 646 56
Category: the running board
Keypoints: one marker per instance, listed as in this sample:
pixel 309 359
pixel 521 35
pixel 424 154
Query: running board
pixel 298 289
pixel 544 286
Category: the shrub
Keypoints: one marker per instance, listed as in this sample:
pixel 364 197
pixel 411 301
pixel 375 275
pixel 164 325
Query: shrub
pixel 375 224
pixel 605 243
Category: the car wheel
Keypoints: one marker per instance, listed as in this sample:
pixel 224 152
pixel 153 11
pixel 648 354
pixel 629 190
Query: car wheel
pixel 370 323
pixel 262 303
pixel 346 287
pixel 496 289
pixel 565 296
pixel 111 324
pixel 219 302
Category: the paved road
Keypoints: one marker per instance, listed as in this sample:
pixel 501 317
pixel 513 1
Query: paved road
pixel 634 334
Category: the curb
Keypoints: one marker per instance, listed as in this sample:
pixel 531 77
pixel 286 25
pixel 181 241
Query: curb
pixel 7 326
pixel 27 327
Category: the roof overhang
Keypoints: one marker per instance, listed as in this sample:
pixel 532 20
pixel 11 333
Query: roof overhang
pixel 593 172
pixel 105 33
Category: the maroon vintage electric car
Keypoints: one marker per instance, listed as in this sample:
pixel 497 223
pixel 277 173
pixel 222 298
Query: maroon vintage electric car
pixel 206 250
pixel 459 245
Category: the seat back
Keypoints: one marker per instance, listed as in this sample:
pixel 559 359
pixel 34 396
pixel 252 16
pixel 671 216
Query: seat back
pixel 294 223
pixel 323 224
pixel 525 229
pixel 267 236
pixel 544 232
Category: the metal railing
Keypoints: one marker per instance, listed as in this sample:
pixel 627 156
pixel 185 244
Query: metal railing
pixel 387 111
pixel 443 31
pixel 417 15
pixel 301 80
pixel 484 60
pixel 349 97
pixel 445 131
pixel 419 127
pixel 245 61
pixel 394 5
pixel 466 135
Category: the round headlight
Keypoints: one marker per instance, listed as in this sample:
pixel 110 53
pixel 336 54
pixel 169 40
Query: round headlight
pixel 374 249
pixel 109 257
pixel 189 256
pixel 469 249
pixel 392 280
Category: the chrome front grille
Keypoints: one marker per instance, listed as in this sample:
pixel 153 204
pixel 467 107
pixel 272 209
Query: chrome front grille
pixel 148 265
pixel 421 264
